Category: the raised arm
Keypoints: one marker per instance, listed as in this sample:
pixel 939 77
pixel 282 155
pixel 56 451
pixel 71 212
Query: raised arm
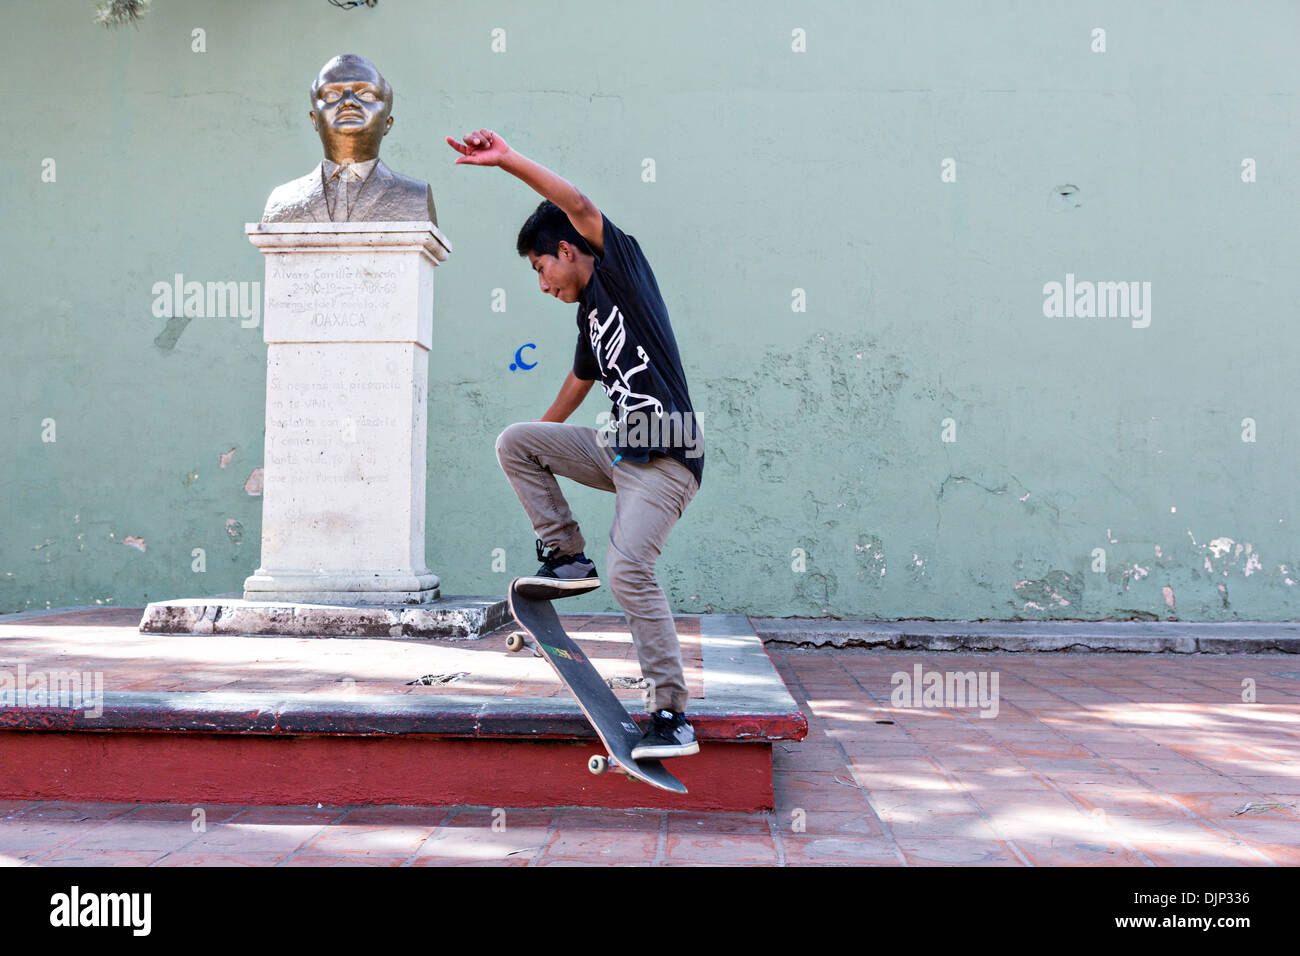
pixel 572 392
pixel 486 148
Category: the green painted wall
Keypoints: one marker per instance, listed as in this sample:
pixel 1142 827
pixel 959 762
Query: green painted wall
pixel 776 170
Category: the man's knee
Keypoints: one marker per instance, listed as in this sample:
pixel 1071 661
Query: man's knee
pixel 628 579
pixel 508 442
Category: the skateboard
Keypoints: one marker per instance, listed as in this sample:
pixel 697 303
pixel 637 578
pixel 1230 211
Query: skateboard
pixel 614 725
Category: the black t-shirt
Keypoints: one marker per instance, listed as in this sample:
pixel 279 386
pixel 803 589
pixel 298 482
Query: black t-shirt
pixel 626 342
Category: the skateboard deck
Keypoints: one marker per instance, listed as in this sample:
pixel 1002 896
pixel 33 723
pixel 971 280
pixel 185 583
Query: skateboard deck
pixel 614 725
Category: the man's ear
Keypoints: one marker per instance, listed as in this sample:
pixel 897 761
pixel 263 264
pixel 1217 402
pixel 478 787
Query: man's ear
pixel 565 250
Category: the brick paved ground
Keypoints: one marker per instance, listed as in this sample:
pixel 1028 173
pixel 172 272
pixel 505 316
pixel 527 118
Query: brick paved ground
pixel 1105 759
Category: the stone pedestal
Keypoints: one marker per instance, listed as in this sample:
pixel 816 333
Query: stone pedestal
pixel 348 324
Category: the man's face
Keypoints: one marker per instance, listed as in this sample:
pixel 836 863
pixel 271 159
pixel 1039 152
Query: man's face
pixel 558 275
pixel 351 113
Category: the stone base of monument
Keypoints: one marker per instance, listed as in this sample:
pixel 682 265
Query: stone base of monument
pixel 195 719
pixel 342 588
pixel 449 618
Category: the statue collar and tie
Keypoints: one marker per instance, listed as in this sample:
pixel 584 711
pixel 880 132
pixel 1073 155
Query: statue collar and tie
pixel 343 185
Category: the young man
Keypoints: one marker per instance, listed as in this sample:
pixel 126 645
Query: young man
pixel 652 457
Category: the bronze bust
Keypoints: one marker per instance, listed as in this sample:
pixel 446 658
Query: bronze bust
pixel 352 105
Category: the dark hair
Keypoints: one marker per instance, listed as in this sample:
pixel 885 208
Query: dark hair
pixel 545 229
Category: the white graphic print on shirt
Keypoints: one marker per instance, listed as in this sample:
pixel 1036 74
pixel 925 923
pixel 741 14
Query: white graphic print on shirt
pixel 608 352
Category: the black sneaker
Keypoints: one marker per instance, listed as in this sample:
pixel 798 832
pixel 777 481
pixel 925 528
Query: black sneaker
pixel 669 736
pixel 561 575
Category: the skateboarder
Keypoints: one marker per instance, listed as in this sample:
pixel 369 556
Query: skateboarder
pixel 652 454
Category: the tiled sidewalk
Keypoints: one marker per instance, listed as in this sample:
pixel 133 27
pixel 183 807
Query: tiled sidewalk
pixel 1109 759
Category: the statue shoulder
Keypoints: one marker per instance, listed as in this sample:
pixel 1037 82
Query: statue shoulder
pixel 403 182
pixel 292 199
pixel 417 189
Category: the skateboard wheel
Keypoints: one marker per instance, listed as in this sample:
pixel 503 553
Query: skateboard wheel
pixel 516 642
pixel 598 765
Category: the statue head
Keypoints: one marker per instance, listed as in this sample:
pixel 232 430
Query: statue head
pixel 351 107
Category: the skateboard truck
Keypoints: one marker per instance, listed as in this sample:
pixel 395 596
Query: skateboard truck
pixel 599 764
pixel 518 641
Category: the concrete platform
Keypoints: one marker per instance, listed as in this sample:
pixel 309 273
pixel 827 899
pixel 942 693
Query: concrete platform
pixel 360 721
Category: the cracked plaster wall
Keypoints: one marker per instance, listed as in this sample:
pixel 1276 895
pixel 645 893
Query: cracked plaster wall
pixel 775 171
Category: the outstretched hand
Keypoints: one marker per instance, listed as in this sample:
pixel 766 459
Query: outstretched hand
pixel 484 148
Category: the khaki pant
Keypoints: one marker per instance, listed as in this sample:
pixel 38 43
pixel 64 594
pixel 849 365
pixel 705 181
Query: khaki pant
pixel 649 498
